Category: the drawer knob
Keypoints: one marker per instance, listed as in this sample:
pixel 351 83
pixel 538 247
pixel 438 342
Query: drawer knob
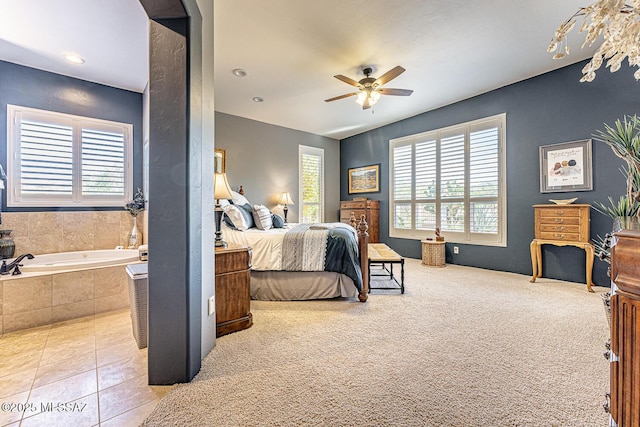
pixel 559 212
pixel 560 228
pixel 559 220
pixel 559 236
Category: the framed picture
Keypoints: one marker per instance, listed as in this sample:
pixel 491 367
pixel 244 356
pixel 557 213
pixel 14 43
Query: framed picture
pixel 566 167
pixel 220 161
pixel 365 179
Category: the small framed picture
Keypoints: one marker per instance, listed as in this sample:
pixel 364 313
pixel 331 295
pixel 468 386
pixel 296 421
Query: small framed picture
pixel 566 167
pixel 365 179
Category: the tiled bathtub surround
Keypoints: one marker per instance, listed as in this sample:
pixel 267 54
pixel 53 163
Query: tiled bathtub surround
pixel 32 301
pixel 53 232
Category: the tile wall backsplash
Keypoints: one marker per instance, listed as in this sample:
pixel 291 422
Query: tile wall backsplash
pixel 52 232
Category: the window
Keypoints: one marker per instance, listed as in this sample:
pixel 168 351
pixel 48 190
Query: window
pixel 451 178
pixel 311 184
pixel 56 159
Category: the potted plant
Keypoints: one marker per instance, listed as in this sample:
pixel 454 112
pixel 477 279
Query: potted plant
pixel 624 139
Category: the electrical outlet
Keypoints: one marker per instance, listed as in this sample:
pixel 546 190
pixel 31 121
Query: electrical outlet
pixel 212 305
pixel 456 250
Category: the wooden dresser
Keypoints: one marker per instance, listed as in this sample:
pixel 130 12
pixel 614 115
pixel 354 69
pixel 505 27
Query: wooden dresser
pixel 562 225
pixel 233 300
pixel 625 329
pixel 369 208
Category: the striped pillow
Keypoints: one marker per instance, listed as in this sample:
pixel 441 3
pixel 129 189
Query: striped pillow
pixel 262 217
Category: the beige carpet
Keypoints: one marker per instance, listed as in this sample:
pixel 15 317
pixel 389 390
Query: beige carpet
pixel 461 347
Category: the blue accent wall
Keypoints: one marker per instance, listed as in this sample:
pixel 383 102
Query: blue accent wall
pixel 29 87
pixel 548 109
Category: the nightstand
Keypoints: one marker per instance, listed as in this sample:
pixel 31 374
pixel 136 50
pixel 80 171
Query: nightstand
pixel 233 299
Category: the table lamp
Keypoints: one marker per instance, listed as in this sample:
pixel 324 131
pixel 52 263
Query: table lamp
pixel 221 190
pixel 285 200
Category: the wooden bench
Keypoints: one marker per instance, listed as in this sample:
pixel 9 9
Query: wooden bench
pixel 381 254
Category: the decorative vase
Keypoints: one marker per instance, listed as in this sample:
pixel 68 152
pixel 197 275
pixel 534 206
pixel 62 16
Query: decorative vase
pixel 7 245
pixel 135 236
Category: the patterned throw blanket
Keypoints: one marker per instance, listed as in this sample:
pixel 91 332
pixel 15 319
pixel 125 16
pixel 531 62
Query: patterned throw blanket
pixel 322 247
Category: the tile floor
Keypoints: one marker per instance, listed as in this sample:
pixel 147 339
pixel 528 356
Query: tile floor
pixel 83 372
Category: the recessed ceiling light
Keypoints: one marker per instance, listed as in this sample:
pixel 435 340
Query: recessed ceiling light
pixel 258 99
pixel 74 59
pixel 239 72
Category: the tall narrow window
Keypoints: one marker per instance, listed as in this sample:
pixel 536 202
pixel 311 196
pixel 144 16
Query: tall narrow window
pixel 56 159
pixel 311 171
pixel 452 179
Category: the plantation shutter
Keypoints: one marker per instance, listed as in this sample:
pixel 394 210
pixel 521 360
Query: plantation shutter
pixel 46 163
pixel 311 184
pixel 103 163
pixel 484 179
pixel 57 159
pixel 452 179
pixel 402 185
pixel 426 184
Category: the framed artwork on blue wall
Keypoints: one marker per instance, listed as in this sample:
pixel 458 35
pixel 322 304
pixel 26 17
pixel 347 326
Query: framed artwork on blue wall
pixel 566 167
pixel 365 179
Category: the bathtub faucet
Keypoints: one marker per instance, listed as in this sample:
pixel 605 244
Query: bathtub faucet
pixel 6 268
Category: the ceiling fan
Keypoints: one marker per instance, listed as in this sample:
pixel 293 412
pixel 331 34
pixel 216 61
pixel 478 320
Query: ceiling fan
pixel 370 88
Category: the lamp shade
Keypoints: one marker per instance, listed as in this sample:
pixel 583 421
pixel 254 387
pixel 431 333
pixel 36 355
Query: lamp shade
pixel 221 189
pixel 285 199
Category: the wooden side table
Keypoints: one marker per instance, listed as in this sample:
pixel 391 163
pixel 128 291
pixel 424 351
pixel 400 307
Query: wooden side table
pixel 562 225
pixel 433 253
pixel 233 298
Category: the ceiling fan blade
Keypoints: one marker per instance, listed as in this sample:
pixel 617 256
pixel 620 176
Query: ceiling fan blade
pixel 397 92
pixel 347 80
pixel 388 76
pixel 340 97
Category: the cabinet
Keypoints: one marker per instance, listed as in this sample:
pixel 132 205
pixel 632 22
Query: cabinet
pixel 369 208
pixel 625 329
pixel 562 225
pixel 233 299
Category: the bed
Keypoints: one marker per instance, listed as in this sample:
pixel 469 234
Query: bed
pixel 299 261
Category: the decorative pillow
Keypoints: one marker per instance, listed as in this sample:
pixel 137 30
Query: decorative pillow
pixel 247 212
pixel 228 221
pixel 239 199
pixel 277 221
pixel 236 216
pixel 262 217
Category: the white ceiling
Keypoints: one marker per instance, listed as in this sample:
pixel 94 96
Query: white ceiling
pixel 290 49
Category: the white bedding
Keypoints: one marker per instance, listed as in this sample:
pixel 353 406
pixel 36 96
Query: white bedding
pixel 266 245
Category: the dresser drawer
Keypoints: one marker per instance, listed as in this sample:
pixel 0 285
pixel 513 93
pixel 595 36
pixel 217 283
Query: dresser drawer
pixel 561 212
pixel 353 205
pixel 569 237
pixel 562 228
pixel 346 215
pixel 571 220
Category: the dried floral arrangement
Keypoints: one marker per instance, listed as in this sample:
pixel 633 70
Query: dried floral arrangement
pixel 137 205
pixel 618 21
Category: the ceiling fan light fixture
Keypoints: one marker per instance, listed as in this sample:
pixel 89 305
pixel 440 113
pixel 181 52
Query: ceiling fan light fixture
pixel 372 95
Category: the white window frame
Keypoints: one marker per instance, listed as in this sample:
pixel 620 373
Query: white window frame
pixel 466 237
pixel 313 151
pixel 15 198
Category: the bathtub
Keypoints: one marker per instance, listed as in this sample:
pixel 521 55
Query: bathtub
pixel 78 260
pixel 59 287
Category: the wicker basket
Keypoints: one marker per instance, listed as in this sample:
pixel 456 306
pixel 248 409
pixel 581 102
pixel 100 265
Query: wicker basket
pixel 433 253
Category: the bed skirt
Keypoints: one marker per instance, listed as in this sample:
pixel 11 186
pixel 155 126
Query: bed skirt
pixel 296 285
